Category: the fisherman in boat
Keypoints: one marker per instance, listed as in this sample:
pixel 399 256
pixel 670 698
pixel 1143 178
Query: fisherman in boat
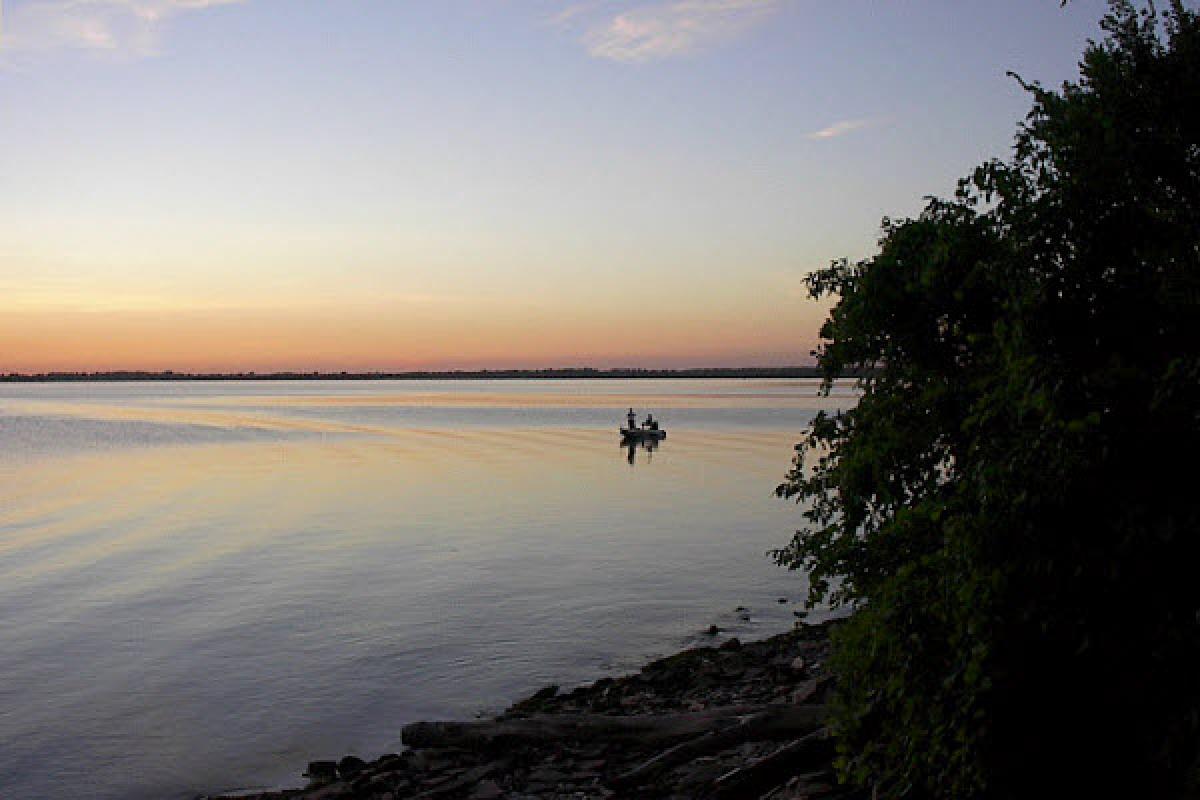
pixel 647 432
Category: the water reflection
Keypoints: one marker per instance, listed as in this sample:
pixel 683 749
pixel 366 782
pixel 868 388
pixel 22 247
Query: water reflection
pixel 631 446
pixel 245 576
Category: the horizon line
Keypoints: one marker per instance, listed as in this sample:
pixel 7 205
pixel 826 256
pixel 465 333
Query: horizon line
pixel 547 372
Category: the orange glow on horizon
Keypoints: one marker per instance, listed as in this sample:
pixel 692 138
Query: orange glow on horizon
pixel 370 339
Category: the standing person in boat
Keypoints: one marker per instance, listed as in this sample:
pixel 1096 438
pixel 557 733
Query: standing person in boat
pixel 632 417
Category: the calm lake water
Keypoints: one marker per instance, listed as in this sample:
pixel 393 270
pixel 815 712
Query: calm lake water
pixel 205 585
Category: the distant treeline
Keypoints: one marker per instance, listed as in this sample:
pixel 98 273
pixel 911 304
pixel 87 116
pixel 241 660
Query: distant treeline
pixel 463 375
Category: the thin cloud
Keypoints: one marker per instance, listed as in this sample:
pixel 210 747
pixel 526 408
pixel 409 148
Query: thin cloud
pixel 664 30
pixel 567 16
pixel 840 128
pixel 123 27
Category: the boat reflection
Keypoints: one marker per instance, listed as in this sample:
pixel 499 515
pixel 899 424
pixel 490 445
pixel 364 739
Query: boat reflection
pixel 631 446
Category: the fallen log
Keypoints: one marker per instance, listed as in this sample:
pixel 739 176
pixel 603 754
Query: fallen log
pixel 763 774
pixel 464 781
pixel 647 728
pixel 775 722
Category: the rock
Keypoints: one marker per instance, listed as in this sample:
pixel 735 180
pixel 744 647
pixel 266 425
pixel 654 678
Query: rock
pixel 390 762
pixel 784 672
pixel 713 630
pixel 321 771
pixel 368 784
pixel 350 765
pixel 549 776
pixel 547 693
pixel 486 790
pixel 805 692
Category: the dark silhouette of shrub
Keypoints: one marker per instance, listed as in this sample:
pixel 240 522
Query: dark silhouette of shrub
pixel 1012 507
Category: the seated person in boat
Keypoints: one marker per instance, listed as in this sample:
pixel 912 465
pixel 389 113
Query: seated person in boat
pixel 651 423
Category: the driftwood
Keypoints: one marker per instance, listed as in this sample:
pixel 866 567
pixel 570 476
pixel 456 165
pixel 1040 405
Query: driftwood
pixel 763 774
pixel 773 722
pixel 464 781
pixel 778 722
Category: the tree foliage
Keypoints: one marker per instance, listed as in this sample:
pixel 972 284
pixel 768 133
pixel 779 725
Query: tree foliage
pixel 1012 507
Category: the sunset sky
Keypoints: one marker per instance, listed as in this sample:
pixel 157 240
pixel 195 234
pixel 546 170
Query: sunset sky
pixel 323 184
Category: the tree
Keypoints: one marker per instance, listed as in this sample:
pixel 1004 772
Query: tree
pixel 1011 508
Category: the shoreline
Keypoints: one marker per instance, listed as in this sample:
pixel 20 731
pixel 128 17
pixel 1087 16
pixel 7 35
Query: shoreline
pixel 729 720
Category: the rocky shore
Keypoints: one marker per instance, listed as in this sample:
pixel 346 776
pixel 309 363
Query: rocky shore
pixel 728 721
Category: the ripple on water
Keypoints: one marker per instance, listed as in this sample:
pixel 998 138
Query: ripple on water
pixel 206 586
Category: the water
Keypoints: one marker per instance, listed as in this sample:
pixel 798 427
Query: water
pixel 205 585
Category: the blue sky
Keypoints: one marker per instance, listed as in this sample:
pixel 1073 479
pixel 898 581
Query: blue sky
pixel 329 184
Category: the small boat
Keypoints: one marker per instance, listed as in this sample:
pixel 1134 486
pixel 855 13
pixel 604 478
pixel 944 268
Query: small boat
pixel 643 434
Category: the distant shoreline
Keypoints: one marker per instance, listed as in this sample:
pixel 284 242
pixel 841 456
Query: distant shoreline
pixel 460 375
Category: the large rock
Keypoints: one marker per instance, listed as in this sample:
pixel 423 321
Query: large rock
pixel 350 765
pixel 321 771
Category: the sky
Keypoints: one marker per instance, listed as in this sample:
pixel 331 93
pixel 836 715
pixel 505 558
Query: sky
pixel 221 185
